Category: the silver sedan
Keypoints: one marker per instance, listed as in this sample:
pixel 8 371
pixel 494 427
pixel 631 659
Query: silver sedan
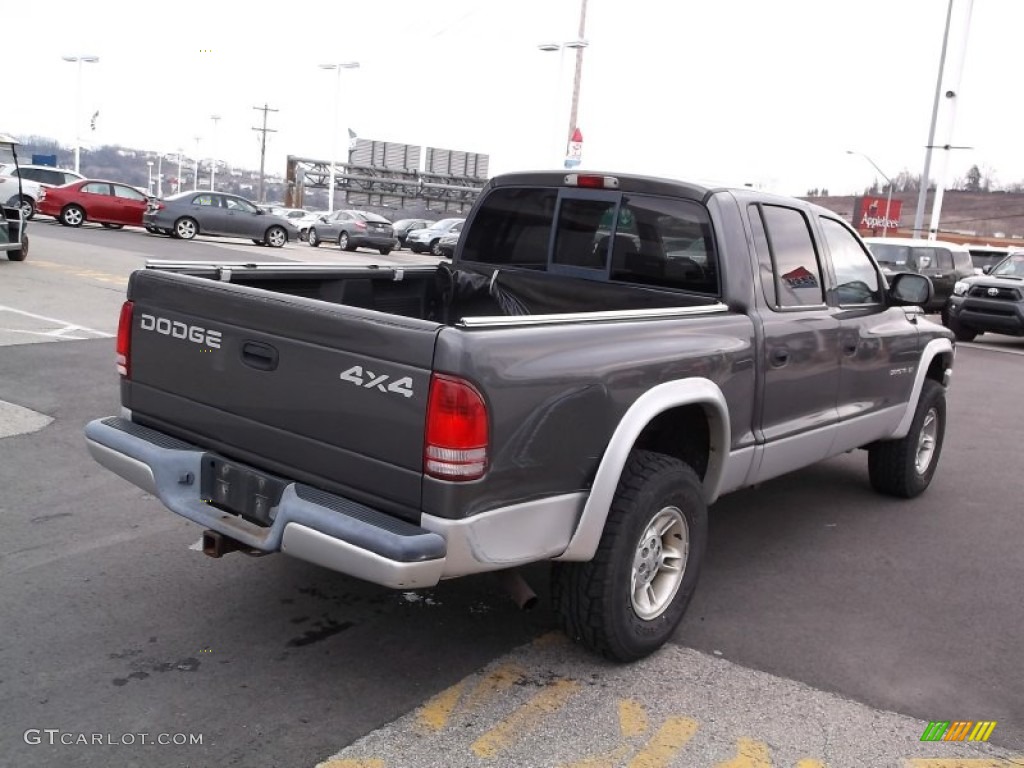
pixel 188 214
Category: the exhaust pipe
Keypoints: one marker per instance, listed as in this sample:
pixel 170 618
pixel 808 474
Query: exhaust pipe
pixel 517 588
pixel 216 544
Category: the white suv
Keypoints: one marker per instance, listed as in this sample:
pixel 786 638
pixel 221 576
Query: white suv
pixel 32 178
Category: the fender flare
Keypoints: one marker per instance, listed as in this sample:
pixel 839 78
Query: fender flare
pixel 931 350
pixel 671 394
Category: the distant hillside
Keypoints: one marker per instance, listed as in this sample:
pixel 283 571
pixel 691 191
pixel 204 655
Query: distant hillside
pixel 118 163
pixel 976 214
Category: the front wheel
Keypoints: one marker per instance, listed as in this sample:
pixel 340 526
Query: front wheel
pixel 313 238
pixel 72 216
pixel 905 467
pixel 960 331
pixel 628 600
pixel 435 248
pixel 275 237
pixel 22 253
pixel 185 228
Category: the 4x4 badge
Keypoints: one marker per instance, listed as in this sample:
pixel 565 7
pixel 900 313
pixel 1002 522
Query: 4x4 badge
pixel 369 380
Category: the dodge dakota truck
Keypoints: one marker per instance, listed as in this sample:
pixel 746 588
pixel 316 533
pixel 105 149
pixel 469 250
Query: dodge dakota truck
pixel 604 357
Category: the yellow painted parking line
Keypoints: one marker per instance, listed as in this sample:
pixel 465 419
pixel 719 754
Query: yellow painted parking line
pixel 346 763
pixel 434 715
pixel 809 763
pixel 961 762
pixel 546 702
pixel 749 754
pixel 90 274
pixel 666 743
pixel 632 718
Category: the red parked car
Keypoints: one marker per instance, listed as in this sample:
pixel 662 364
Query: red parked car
pixel 109 203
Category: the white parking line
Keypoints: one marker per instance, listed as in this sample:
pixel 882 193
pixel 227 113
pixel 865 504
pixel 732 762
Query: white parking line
pixel 65 326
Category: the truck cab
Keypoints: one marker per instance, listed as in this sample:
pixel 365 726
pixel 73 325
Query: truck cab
pixel 13 238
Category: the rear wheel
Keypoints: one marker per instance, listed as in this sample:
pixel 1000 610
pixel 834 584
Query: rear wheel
pixel 313 238
pixel 28 207
pixel 72 216
pixel 186 228
pixel 628 600
pixel 384 251
pixel 905 467
pixel 344 243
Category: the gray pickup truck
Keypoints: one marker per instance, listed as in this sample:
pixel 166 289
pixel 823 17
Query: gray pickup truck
pixel 605 356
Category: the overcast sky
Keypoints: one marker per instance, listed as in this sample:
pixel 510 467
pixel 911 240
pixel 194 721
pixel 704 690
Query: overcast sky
pixel 770 92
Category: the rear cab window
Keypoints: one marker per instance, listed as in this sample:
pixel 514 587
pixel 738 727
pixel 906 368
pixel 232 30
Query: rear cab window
pixel 604 235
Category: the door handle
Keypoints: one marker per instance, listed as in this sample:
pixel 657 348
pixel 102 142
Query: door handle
pixel 779 356
pixel 258 355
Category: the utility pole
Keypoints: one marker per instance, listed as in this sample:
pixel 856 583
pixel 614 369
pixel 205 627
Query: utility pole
pixel 263 145
pixel 579 72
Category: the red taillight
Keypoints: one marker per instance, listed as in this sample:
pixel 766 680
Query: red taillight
pixel 360 225
pixel 456 434
pixel 124 339
pixel 591 181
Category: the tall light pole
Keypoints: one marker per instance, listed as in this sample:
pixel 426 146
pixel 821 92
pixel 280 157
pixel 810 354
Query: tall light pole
pixel 334 136
pixel 213 160
pixel 888 200
pixel 149 183
pixel 578 45
pixel 177 186
pixel 80 60
pixel 574 110
pixel 195 175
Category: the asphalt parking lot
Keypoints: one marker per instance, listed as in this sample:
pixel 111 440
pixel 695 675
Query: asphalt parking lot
pixel 831 625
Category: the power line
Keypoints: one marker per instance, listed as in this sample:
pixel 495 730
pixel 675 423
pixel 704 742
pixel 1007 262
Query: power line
pixel 263 145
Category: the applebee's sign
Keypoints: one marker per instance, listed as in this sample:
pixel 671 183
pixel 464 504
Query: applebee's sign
pixel 871 213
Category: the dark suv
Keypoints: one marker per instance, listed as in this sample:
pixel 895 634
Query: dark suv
pixel 943 262
pixel 993 302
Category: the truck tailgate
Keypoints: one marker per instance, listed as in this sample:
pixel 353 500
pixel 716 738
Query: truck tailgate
pixel 289 383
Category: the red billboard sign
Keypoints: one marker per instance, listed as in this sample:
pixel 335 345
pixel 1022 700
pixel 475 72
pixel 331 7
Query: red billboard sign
pixel 871 213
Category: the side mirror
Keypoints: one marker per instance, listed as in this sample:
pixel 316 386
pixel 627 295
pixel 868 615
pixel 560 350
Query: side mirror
pixel 260 212
pixel 986 269
pixel 910 289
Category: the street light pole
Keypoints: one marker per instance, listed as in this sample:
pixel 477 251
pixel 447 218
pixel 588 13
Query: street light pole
pixel 80 60
pixel 334 136
pixel 177 186
pixel 578 45
pixel 149 183
pixel 213 160
pixel 888 199
pixel 580 37
pixel 195 175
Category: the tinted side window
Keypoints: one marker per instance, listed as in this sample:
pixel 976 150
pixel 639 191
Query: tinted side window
pixel 52 177
pixel 512 227
pixel 943 259
pixel 795 267
pixel 856 278
pixel 128 193
pixel 961 260
pixel 205 200
pixel 97 188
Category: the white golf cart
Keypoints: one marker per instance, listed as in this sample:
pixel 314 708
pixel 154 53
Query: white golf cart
pixel 13 239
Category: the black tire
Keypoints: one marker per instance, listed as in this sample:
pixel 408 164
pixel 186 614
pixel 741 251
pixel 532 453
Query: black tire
pixel 108 225
pixel 185 228
pixel 28 207
pixel 275 236
pixel 153 230
pixel 596 601
pixel 72 216
pixel 435 248
pixel 384 251
pixel 898 467
pixel 344 243
pixel 962 332
pixel 313 238
pixel 258 242
pixel 22 253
